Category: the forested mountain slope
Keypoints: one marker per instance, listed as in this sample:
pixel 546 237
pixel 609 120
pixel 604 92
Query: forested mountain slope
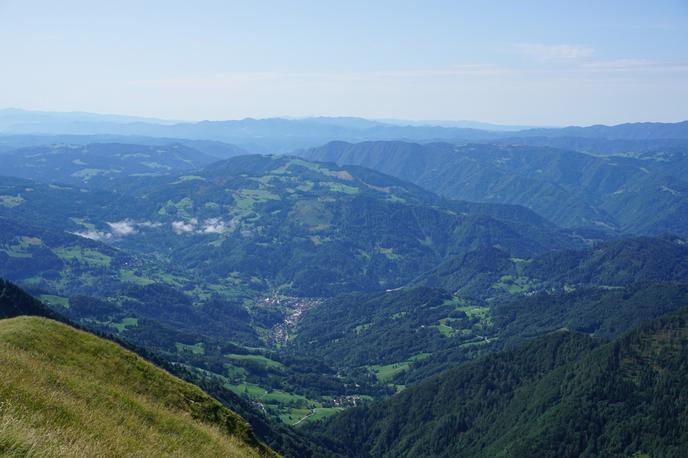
pixel 564 395
pixel 490 273
pixel 402 336
pixel 643 193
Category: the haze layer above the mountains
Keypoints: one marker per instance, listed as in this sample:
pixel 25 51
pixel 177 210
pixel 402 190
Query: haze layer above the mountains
pixel 537 64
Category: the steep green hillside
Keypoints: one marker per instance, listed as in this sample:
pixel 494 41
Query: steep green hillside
pixel 68 393
pixel 643 194
pixel 64 263
pixel 288 441
pixel 564 395
pixel 377 329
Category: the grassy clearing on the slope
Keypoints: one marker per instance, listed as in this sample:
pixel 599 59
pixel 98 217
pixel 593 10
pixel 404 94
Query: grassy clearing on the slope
pixel 22 247
pixel 258 359
pixel 84 256
pixel 134 277
pixel 300 417
pixel 53 300
pixel 289 408
pixel 385 373
pixel 124 324
pixel 11 201
pixel 196 349
pixel 515 285
pixel 450 327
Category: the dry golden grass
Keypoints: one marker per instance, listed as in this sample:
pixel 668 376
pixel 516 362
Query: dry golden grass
pixel 66 393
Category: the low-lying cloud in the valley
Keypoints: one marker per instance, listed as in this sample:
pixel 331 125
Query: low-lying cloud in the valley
pixel 118 229
pixel 214 226
pixel 183 227
pixel 127 227
pixel 208 226
pixel 122 228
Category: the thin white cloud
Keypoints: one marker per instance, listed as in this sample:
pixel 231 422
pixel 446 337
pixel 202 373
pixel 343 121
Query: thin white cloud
pixel 149 224
pixel 560 52
pixel 240 79
pixel 118 229
pixel 616 65
pixel 94 235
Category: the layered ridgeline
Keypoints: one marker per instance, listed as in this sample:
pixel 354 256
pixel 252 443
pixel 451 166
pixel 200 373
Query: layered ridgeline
pixel 633 193
pixel 488 301
pixel 279 135
pixel 563 395
pixel 68 393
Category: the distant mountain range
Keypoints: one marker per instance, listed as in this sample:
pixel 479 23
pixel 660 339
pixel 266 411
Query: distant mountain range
pixel 281 135
pixel 16 118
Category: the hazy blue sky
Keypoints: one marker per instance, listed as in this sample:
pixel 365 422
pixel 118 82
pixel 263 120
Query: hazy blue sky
pixel 526 62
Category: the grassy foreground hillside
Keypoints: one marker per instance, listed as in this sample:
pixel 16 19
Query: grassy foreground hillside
pixel 65 392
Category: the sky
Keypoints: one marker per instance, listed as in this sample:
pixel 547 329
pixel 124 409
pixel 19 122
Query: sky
pixel 524 63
